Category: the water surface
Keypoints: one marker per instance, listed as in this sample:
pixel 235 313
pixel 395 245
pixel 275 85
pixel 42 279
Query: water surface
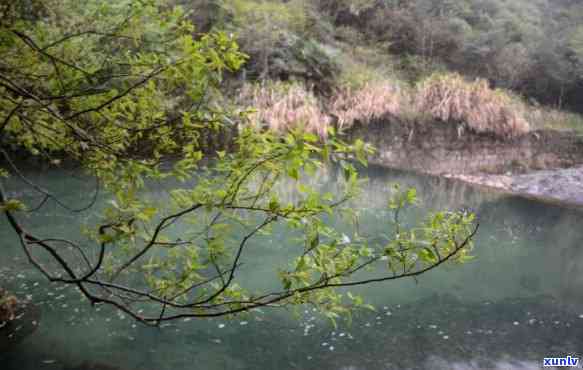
pixel 519 301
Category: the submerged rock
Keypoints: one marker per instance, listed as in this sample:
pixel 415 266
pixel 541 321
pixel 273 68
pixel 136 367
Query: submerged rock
pixel 25 322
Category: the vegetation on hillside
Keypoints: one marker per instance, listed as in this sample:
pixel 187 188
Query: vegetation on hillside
pixel 526 53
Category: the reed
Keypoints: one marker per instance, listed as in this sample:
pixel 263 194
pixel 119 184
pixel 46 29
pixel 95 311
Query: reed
pixel 452 99
pixel 372 101
pixel 285 106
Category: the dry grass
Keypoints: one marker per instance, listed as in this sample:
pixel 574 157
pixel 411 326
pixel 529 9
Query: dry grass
pixel 282 107
pixel 450 98
pixel 372 101
pixel 553 119
pixel 446 97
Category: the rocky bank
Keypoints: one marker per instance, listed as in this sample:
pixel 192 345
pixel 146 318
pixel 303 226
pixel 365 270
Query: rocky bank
pixel 544 164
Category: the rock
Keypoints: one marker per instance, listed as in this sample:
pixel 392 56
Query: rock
pixel 27 318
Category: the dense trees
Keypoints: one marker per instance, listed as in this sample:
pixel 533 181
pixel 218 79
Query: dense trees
pixel 123 89
pixel 532 47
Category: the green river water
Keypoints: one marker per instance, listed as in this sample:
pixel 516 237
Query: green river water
pixel 520 300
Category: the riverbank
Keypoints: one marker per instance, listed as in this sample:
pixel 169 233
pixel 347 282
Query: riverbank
pixel 543 164
pixel 560 185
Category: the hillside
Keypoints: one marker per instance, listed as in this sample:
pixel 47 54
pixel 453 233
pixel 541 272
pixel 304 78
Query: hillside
pixel 530 52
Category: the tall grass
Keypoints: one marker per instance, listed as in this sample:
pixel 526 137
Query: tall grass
pixel 451 98
pixel 445 97
pixel 282 107
pixel 372 101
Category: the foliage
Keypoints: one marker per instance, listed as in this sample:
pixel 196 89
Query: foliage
pixel 531 47
pixel 124 89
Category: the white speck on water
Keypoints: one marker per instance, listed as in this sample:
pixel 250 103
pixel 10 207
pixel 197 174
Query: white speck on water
pixel 187 319
pixel 516 323
pixel 389 313
pixel 367 324
pixel 432 326
pixel 379 318
pixel 324 344
pixel 242 323
pixel 581 316
pixel 331 348
pixel 468 332
pixel 446 337
pixel 439 333
pixel 345 239
pixel 309 358
pixel 341 334
pixel 217 341
pixel 221 326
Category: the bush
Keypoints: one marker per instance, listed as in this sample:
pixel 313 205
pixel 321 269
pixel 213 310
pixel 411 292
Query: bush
pixel 284 106
pixel 372 101
pixel 450 98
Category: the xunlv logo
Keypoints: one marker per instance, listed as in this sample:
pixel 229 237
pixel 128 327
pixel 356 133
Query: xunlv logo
pixel 561 361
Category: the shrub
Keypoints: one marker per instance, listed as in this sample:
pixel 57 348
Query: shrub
pixel 450 98
pixel 372 101
pixel 284 106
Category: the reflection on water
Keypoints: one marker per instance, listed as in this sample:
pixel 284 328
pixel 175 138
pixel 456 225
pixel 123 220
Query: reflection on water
pixel 518 302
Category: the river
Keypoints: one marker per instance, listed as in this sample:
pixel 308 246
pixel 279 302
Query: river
pixel 519 301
